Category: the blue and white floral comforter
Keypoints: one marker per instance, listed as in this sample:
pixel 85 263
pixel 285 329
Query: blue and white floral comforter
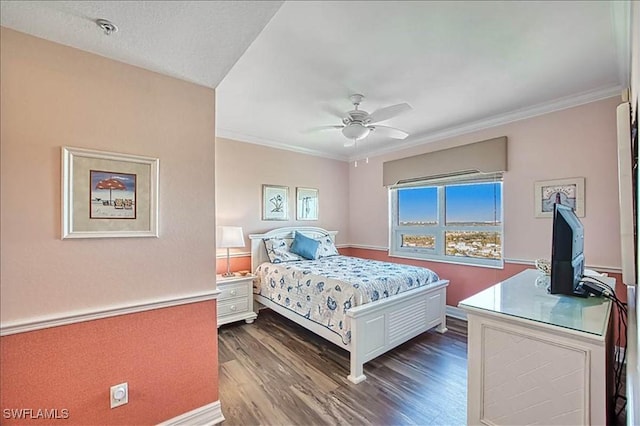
pixel 322 290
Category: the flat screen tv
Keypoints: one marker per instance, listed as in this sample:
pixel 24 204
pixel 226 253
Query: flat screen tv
pixel 567 252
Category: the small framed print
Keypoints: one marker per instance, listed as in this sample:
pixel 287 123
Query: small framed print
pixel 107 195
pixel 306 204
pixel 569 192
pixel 275 202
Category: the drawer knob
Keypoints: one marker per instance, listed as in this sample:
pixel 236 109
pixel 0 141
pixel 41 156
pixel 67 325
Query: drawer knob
pixel 233 292
pixel 232 307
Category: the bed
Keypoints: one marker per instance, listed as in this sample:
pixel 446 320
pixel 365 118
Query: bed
pixel 370 324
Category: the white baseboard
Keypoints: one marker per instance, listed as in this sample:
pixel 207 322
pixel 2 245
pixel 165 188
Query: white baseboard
pixel 456 312
pixel 366 247
pixel 207 415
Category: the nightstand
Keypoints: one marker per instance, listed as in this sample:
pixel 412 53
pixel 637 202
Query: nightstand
pixel 235 302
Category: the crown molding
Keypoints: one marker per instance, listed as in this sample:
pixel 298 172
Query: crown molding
pixel 487 123
pixel 256 140
pixel 498 120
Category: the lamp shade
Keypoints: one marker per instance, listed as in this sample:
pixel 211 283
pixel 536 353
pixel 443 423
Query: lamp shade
pixel 355 131
pixel 229 237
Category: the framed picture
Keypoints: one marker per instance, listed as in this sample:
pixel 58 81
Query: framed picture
pixel 306 204
pixel 106 195
pixel 275 202
pixel 569 192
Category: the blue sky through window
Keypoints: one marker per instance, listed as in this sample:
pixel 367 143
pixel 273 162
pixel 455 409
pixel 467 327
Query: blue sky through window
pixel 464 203
pixel 480 202
pixel 418 205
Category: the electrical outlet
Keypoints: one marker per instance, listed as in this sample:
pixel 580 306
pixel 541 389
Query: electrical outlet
pixel 119 395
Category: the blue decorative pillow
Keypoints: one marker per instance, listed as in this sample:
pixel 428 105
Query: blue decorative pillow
pixel 279 251
pixel 326 248
pixel 305 246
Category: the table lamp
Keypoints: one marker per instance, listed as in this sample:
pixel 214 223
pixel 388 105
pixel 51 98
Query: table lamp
pixel 229 237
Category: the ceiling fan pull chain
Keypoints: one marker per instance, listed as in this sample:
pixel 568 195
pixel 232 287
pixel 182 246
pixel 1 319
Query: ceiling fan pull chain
pixel 355 144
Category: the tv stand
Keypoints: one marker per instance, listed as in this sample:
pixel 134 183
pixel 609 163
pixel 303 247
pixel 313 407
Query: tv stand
pixel 535 357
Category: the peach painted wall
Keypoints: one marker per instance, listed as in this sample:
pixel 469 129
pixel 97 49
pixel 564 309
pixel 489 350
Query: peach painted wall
pixel 168 357
pixel 53 96
pixel 537 150
pixel 241 170
pixel 576 142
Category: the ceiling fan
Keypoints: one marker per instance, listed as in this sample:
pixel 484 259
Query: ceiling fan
pixel 357 124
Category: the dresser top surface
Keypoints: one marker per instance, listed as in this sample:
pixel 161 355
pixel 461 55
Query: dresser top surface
pixel 525 296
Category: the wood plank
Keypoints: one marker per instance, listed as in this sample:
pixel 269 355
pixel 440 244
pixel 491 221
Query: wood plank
pixel 275 372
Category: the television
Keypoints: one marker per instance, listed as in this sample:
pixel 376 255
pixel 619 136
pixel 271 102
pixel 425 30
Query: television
pixel 567 252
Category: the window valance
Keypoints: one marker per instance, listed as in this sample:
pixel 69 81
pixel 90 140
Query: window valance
pixel 486 157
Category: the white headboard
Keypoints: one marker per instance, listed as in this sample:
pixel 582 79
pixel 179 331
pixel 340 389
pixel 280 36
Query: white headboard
pixel 259 252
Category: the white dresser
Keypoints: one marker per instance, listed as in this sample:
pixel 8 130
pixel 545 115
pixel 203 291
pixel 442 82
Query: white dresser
pixel 538 358
pixel 235 302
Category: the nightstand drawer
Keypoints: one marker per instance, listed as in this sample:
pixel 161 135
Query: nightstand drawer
pixel 235 301
pixel 227 291
pixel 231 307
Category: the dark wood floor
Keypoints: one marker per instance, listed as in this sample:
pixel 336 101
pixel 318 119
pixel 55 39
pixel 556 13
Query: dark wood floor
pixel 274 372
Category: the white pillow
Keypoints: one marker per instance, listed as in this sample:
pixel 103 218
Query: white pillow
pixel 326 248
pixel 278 250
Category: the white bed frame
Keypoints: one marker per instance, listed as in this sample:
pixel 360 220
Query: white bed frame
pixel 376 327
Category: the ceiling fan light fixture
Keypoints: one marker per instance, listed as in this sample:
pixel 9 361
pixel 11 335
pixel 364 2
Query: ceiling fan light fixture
pixel 357 124
pixel 355 131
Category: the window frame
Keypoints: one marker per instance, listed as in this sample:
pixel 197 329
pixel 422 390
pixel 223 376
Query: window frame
pixel 438 254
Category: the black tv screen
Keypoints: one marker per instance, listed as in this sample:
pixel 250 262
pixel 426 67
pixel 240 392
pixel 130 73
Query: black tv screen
pixel 567 252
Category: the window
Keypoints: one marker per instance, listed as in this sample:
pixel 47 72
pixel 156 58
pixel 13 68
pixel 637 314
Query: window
pixel 454 222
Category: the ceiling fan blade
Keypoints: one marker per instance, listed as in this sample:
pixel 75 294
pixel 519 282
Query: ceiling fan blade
pixel 335 112
pixel 389 112
pixel 323 128
pixel 391 132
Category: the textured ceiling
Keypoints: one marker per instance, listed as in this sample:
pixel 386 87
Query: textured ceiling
pixel 197 41
pixel 461 65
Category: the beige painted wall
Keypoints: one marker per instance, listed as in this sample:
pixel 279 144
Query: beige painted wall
pixel 580 141
pixel 54 96
pixel 242 168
